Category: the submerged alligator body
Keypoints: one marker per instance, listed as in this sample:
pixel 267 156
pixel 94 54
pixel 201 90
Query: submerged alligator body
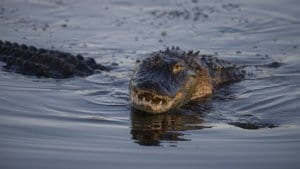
pixel 29 60
pixel 171 78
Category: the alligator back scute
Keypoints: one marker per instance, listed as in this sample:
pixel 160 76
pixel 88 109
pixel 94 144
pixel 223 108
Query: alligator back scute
pixel 221 71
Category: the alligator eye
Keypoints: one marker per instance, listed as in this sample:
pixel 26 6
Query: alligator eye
pixel 177 68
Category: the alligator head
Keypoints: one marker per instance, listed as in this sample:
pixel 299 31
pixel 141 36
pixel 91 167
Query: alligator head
pixel 163 81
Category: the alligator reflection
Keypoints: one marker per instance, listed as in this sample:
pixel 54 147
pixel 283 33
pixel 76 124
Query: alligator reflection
pixel 152 129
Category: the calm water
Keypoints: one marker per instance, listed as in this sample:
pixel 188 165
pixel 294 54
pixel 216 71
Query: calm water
pixel 87 123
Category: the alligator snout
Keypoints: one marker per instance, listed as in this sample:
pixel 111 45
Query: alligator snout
pixel 155 88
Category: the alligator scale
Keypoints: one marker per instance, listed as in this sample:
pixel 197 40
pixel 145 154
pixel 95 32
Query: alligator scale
pixel 171 78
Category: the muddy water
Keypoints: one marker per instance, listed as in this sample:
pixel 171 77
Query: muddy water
pixel 87 123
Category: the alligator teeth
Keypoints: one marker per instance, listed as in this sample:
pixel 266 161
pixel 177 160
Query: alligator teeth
pixel 144 99
pixel 160 103
pixel 150 101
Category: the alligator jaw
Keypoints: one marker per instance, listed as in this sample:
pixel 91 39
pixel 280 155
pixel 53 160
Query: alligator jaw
pixel 150 102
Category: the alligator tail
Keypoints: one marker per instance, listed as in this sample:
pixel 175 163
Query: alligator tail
pixel 29 60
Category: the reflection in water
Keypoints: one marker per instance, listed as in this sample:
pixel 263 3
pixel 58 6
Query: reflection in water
pixel 152 129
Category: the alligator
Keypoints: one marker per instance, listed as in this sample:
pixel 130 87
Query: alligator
pixel 168 79
pixel 29 60
pixel 164 81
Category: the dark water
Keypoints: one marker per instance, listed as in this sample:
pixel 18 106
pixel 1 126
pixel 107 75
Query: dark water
pixel 87 123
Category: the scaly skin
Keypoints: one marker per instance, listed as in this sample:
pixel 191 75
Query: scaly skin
pixel 169 79
pixel 29 60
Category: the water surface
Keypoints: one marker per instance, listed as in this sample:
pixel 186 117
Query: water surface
pixel 87 122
